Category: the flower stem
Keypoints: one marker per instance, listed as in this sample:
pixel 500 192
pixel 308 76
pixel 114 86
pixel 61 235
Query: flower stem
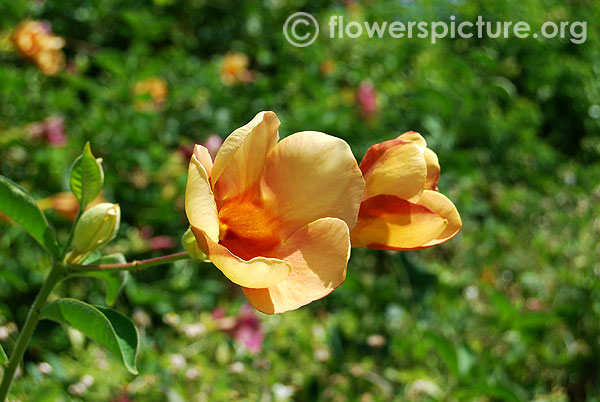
pixel 56 274
pixel 130 266
pixel 71 234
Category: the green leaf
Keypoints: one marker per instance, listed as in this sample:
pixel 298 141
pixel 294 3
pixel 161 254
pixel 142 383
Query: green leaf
pixel 447 353
pixel 511 317
pixel 92 258
pixel 115 281
pixel 495 392
pixel 87 177
pixel 18 204
pixel 108 327
pixel 3 358
pixel 505 309
pixel 466 361
pixel 534 320
pixel 116 258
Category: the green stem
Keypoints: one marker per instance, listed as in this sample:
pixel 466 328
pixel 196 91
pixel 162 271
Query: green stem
pixel 56 274
pixel 71 234
pixel 130 266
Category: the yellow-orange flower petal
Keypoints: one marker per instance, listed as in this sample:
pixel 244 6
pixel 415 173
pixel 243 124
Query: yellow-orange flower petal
pixel 258 272
pixel 415 138
pixel 200 204
pixel 240 161
pixel 319 254
pixel 311 175
pixel 395 167
pixel 388 222
pixel 441 205
pixel 203 156
pixel 431 159
pixel 433 170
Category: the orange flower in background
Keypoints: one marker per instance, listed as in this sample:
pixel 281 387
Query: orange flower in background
pixel 234 69
pixel 4 218
pixel 401 207
pixel 66 205
pixel 35 41
pixel 275 217
pixel 327 67
pixel 150 93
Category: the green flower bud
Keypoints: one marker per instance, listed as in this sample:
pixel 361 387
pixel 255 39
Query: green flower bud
pixel 97 226
pixel 190 245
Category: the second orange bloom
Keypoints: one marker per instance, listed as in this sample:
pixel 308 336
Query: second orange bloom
pixel 401 207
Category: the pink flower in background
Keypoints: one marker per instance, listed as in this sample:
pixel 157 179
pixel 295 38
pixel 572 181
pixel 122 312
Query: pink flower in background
pixel 162 243
pixel 52 129
pixel 122 398
pixel 157 242
pixel 367 99
pixel 245 328
pixel 248 330
pixel 218 313
pixel 146 231
pixel 213 143
pixel 55 131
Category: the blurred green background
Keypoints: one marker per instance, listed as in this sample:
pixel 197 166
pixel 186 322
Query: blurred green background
pixel 509 310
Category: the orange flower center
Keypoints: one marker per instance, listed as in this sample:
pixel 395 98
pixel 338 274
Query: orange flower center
pixel 248 230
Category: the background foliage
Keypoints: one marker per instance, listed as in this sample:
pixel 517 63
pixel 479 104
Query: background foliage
pixel 508 310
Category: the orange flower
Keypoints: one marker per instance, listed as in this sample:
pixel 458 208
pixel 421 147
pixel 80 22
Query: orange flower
pixel 150 93
pixel 234 69
pixel 66 205
pixel 4 218
pixel 34 40
pixel 327 67
pixel 401 208
pixel 275 217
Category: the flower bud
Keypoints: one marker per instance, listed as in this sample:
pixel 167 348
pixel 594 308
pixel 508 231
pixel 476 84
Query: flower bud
pixel 190 245
pixel 97 226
